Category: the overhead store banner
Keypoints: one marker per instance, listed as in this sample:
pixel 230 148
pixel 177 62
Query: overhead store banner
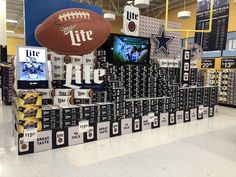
pixel 131 21
pixel 216 40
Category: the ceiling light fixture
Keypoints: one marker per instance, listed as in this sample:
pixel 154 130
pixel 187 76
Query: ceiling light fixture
pixel 11 21
pixel 9 31
pixel 184 14
pixel 141 3
pixel 109 16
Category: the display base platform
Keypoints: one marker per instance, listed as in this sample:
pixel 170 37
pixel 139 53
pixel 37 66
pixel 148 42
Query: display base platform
pixel 53 139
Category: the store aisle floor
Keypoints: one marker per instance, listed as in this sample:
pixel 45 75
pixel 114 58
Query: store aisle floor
pixel 196 149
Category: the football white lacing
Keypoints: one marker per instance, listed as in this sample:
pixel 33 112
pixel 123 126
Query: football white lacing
pixel 74 15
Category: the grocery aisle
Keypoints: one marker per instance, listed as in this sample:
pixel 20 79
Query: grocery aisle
pixel 201 148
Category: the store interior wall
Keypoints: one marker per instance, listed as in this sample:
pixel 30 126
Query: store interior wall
pixel 191 22
pixel 13 42
pixel 116 26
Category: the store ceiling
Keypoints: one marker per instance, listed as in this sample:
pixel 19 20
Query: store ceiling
pixel 156 8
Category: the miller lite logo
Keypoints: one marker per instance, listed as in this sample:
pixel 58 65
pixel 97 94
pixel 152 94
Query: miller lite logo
pixel 131 21
pixel 77 37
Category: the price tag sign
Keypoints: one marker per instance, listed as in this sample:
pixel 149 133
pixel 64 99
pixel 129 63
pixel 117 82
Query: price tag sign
pixel 208 63
pixel 152 119
pixel 229 63
pixel 83 126
pixel 30 135
pixel 193 65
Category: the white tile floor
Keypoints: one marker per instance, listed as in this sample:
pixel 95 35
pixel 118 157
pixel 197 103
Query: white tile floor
pixel 196 149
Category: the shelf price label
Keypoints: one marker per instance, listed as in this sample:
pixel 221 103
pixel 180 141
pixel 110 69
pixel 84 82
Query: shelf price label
pixel 30 135
pixel 83 126
pixel 229 63
pixel 208 63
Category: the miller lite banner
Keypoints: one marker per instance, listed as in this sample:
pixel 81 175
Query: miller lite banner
pixel 131 21
pixel 32 68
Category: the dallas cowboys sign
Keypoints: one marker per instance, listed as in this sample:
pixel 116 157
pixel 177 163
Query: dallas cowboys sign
pixel 162 40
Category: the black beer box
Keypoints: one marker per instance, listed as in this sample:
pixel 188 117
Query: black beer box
pixel 71 117
pixel 161 102
pixel 78 101
pixel 154 101
pixel 181 107
pixel 70 123
pixel 86 115
pixel 146 103
pixel 52 126
pixel 137 103
pixel 106 112
pixel 105 106
pixel 119 112
pixel 72 109
pixel 50 110
pixel 161 109
pixel 121 104
pixel 118 98
pixel 118 91
pixel 56 118
pixel 128 104
pixel 155 107
pixel 47 101
pixel 105 118
pixel 200 91
pixel 86 108
pixel 168 100
pixel 138 109
pixel 129 110
pixel 97 99
pixel 99 93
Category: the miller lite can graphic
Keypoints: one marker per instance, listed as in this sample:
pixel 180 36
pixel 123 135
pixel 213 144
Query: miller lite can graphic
pixel 136 124
pixel 115 129
pixel 90 133
pixel 60 138
pixel 131 21
pixel 23 146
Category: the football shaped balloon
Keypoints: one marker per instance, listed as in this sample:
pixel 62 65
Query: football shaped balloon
pixel 73 31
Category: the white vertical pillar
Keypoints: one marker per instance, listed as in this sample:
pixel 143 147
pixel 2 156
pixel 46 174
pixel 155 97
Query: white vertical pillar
pixel 3 40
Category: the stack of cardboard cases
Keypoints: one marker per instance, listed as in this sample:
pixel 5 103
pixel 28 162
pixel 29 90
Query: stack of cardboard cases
pixel 134 98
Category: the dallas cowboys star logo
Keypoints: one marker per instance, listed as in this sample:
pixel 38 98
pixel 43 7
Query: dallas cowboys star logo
pixel 162 40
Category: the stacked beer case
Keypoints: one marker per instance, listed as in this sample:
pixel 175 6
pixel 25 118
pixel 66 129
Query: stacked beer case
pixel 134 98
pixel 7 84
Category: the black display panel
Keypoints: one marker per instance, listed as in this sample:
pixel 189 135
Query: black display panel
pixel 216 40
pixel 122 49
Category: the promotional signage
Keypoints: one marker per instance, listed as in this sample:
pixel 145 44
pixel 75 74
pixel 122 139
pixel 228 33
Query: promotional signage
pixel 79 70
pixel 208 63
pixel 216 40
pixel 185 70
pixel 228 63
pixel 43 9
pixel 131 21
pixel 75 31
pixel 31 68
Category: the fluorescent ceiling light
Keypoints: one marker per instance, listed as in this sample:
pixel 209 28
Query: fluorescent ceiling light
pixel 11 21
pixel 9 31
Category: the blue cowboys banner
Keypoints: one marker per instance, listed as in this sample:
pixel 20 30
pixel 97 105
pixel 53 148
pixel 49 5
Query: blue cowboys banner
pixel 216 40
